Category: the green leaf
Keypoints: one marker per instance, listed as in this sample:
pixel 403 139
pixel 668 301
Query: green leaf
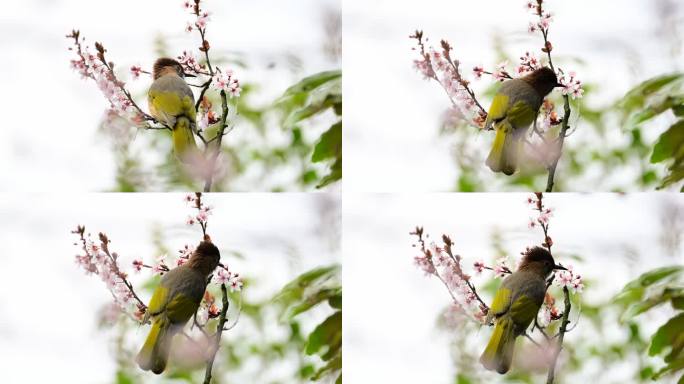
pixel 670 143
pixel 671 334
pixel 308 290
pixel 326 339
pixel 670 368
pixel 335 302
pixel 656 298
pixel 334 365
pixel 309 83
pixel 329 145
pixel 334 175
pixel 654 276
pixel 636 97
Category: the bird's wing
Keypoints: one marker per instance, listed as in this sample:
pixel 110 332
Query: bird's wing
pixel 521 115
pixel 170 96
pixel 497 110
pixel 523 311
pixel 501 302
pixel 181 308
pixel 158 301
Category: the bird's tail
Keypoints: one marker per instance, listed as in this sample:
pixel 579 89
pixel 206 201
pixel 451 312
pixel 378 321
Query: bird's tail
pixel 184 145
pixel 155 352
pixel 499 352
pixel 504 154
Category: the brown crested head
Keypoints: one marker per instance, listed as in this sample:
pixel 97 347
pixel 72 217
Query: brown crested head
pixel 543 80
pixel 539 260
pixel 205 258
pixel 165 65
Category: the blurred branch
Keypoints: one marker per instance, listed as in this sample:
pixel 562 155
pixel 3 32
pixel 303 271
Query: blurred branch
pixel 217 336
pixel 561 335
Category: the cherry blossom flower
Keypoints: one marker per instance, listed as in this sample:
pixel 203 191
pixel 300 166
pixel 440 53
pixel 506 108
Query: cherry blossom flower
pixel 423 263
pixel 226 81
pixel 569 279
pixel 202 20
pixel 500 73
pixel 571 85
pixel 501 268
pixel 137 265
pixel 479 266
pixel 135 71
pixel 477 72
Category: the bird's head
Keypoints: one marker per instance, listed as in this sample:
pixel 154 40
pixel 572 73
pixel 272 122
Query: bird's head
pixel 165 66
pixel 540 261
pixel 205 258
pixel 543 80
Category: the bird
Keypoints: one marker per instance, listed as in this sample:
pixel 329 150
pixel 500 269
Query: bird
pixel 172 103
pixel 513 110
pixel 515 305
pixel 174 302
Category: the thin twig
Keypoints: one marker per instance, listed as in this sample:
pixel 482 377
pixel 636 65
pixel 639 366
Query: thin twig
pixel 219 331
pixel 561 334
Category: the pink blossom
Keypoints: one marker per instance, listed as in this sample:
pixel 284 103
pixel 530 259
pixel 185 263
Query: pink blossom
pixel 202 20
pixel 226 81
pixel 187 4
pixel 160 268
pixel 135 71
pixel 236 285
pixel 190 220
pixel 501 268
pixel 569 279
pixel 423 66
pixel 479 266
pixel 223 276
pixel 189 27
pixel 545 21
pixel 500 73
pixel 571 85
pixel 189 198
pixel 423 263
pixel 532 223
pixel 137 265
pixel 532 28
pixel 477 71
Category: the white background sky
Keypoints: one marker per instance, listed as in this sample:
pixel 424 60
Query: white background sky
pixel 50 137
pixel 391 308
pixel 392 116
pixel 48 306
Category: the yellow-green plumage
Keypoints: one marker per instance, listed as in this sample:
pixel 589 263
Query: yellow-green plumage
pixel 515 306
pixel 513 110
pixel 172 102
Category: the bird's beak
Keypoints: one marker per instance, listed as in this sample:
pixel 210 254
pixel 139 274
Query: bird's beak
pixel 188 74
pixel 559 85
pixel 558 266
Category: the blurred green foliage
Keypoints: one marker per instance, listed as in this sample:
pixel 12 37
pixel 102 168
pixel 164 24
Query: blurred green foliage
pixel 648 291
pixel 650 99
pixel 312 96
pixel 320 285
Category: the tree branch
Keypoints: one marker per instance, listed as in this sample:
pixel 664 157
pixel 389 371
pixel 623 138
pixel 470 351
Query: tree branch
pixel 219 330
pixel 561 335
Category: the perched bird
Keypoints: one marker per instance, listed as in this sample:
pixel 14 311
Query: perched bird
pixel 172 103
pixel 173 303
pixel 515 305
pixel 513 110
